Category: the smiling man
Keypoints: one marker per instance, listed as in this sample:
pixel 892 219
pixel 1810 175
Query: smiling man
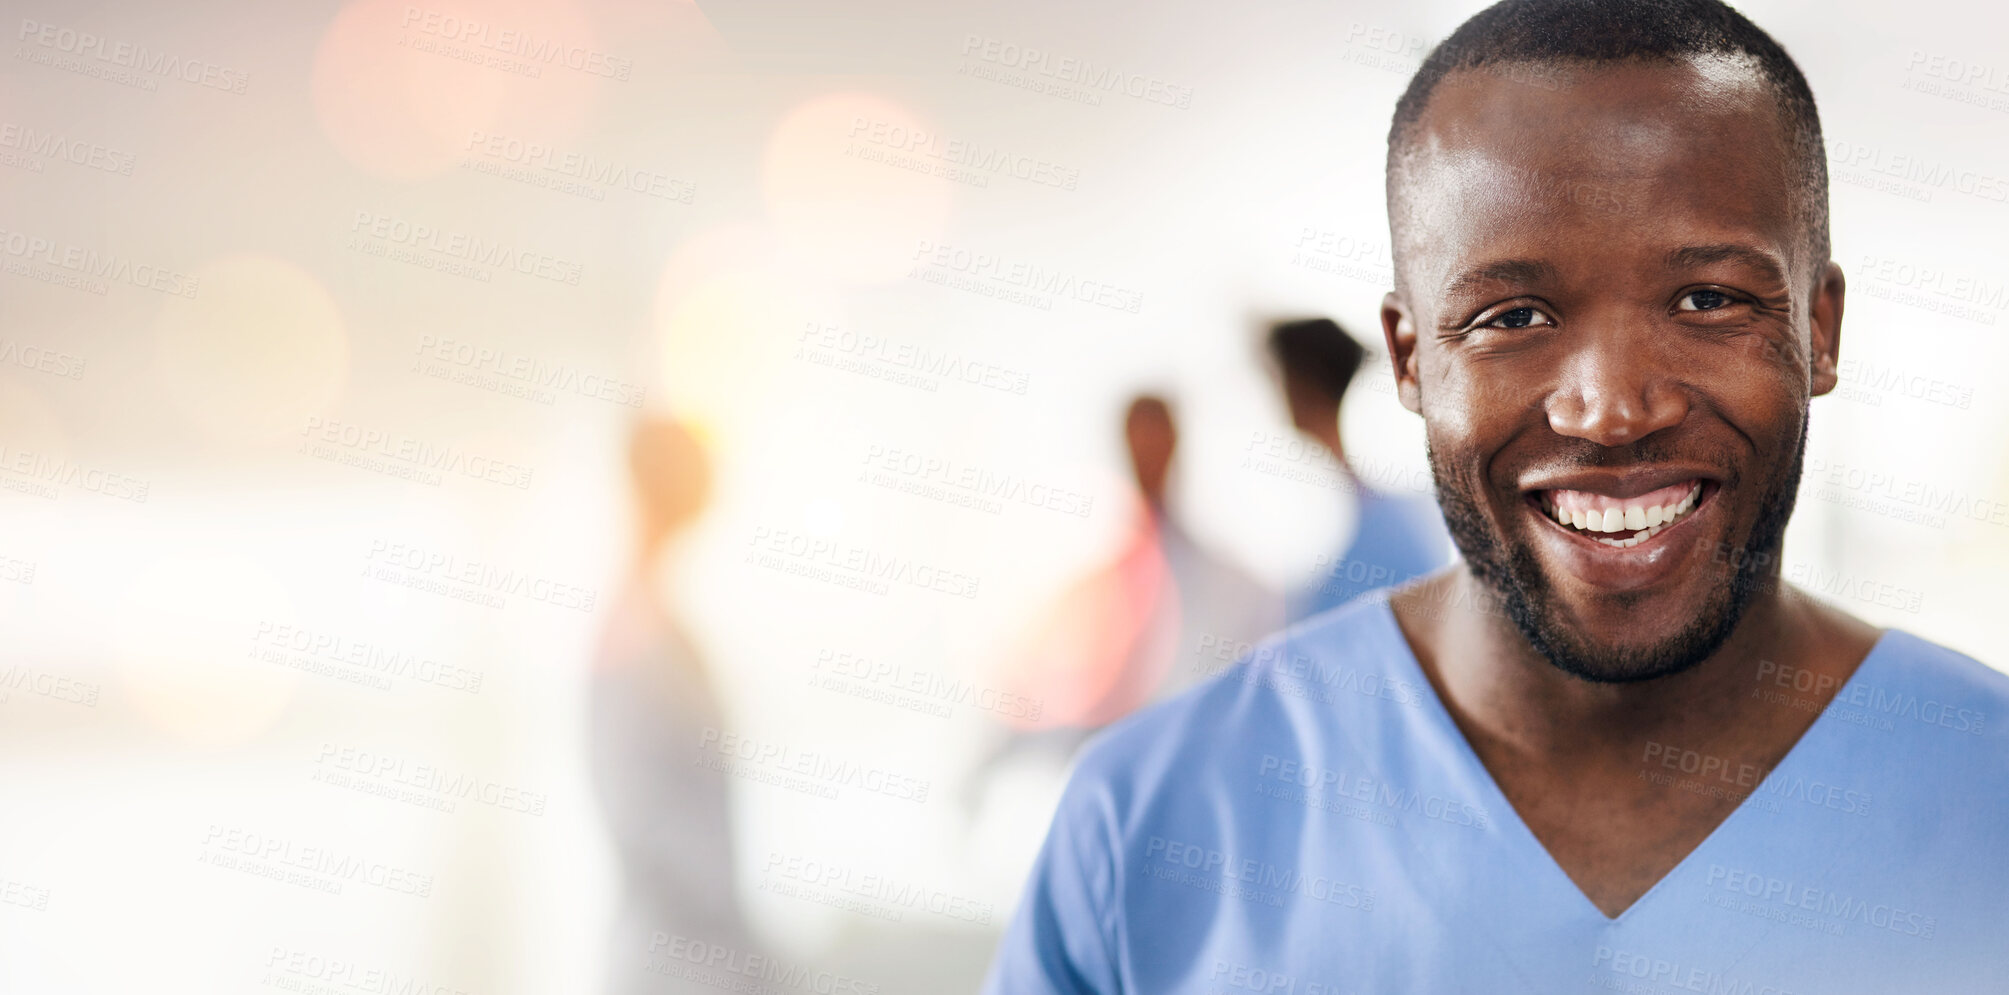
pixel 1610 750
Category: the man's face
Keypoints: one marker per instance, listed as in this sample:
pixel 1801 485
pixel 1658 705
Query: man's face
pixel 1609 317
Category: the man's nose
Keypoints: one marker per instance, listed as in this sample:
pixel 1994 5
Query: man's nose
pixel 1617 390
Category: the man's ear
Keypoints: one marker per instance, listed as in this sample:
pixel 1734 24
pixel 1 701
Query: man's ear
pixel 1826 331
pixel 1398 329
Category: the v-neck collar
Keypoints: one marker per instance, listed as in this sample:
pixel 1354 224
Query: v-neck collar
pixel 1523 839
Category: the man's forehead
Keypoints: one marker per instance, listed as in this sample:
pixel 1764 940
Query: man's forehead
pixel 1632 142
pixel 1618 118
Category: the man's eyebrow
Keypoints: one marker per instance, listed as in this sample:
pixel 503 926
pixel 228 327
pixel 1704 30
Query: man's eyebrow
pixel 1693 256
pixel 1521 271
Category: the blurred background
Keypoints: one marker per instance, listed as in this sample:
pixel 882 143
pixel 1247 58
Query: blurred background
pixel 505 496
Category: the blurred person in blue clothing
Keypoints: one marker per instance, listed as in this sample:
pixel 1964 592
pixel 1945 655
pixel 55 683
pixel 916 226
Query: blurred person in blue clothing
pixel 1395 538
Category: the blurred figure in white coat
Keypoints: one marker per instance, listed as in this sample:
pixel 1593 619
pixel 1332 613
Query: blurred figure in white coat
pixel 652 700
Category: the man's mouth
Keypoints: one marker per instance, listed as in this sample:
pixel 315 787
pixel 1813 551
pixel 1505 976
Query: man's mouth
pixel 1622 522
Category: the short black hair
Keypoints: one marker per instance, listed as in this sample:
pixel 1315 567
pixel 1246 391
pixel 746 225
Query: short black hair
pixel 1546 31
pixel 1317 352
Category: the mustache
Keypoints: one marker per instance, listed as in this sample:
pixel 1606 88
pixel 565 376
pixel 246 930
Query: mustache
pixel 1580 454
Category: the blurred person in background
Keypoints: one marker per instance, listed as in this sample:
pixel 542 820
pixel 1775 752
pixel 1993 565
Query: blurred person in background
pixel 1138 628
pixel 1395 538
pixel 651 701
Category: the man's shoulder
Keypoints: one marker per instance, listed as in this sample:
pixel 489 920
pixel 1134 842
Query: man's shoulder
pixel 1924 687
pixel 1342 668
pixel 1948 667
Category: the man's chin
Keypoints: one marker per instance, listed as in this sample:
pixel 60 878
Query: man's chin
pixel 1648 642
pixel 1623 664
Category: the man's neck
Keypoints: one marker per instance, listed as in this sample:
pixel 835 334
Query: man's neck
pixel 1500 689
pixel 1611 778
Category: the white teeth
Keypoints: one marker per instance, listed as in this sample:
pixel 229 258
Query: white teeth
pixel 1643 521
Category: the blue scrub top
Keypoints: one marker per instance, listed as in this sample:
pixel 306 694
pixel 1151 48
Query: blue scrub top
pixel 1395 539
pixel 1311 822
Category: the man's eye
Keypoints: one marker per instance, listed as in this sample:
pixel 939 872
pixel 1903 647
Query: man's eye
pixel 1703 300
pixel 1520 317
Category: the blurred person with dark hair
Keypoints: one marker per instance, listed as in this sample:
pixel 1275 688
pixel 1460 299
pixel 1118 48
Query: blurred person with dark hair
pixel 1395 539
pixel 1612 749
pixel 651 701
pixel 1136 629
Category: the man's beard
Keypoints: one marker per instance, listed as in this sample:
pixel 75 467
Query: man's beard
pixel 1515 577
